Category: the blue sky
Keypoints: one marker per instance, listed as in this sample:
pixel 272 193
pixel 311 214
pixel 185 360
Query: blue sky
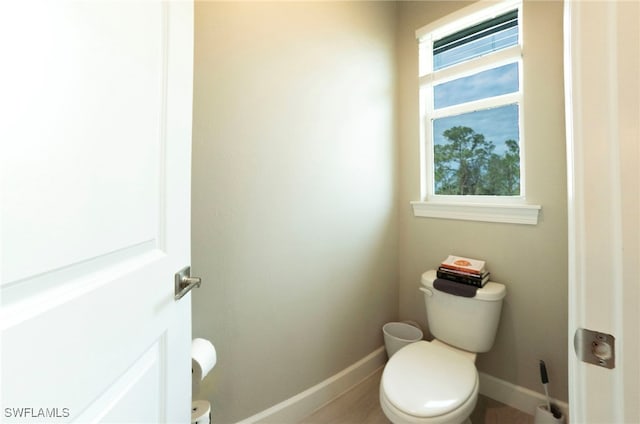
pixel 493 82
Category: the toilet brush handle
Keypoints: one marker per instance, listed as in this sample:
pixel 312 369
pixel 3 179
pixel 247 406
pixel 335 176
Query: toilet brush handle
pixel 543 372
pixel 545 379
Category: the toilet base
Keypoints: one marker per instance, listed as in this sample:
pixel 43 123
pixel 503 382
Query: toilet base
pixel 459 416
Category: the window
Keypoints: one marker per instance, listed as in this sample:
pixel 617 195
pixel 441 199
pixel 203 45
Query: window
pixel 470 69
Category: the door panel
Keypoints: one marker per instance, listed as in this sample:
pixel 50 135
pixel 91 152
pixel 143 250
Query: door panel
pixel 95 211
pixel 115 405
pixel 94 85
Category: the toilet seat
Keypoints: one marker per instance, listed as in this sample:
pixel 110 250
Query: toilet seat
pixel 424 382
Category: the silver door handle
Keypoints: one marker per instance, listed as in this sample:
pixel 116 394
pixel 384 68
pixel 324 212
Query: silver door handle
pixel 184 282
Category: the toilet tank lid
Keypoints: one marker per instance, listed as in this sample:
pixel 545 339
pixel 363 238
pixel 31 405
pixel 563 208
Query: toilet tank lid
pixel 490 291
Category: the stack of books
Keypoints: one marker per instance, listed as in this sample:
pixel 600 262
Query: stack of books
pixel 464 270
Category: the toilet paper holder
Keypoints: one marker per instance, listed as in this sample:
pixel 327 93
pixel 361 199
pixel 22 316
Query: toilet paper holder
pixel 184 282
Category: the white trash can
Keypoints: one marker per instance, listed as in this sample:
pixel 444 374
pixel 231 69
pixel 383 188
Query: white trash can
pixel 399 334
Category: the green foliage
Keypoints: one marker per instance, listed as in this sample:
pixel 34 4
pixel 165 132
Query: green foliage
pixel 468 165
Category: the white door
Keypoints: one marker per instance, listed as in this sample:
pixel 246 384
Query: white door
pixel 95 129
pixel 603 110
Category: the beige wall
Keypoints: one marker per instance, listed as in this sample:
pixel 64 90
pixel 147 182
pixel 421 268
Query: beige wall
pixel 530 260
pixel 294 193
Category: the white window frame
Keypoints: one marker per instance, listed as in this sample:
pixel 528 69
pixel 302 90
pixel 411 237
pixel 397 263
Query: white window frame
pixel 508 209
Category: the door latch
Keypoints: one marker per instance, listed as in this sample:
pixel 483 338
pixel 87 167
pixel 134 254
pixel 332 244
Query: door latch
pixel 594 347
pixel 184 282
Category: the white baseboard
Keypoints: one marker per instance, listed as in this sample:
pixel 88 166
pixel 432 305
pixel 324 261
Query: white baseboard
pixel 516 397
pixel 303 404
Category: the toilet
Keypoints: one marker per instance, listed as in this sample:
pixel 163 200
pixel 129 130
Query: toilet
pixel 437 381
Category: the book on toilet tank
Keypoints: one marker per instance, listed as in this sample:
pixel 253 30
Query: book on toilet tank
pixel 463 277
pixel 468 265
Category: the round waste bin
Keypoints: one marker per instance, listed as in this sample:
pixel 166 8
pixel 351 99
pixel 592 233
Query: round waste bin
pixel 399 334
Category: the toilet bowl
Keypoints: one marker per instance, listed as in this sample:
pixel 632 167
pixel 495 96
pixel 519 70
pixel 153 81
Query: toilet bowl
pixel 426 382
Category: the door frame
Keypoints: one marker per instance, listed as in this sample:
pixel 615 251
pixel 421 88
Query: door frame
pixel 602 97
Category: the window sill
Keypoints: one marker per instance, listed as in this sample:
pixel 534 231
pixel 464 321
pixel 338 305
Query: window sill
pixel 505 213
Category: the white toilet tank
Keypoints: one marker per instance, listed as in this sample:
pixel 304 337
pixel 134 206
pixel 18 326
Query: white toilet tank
pixel 468 323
